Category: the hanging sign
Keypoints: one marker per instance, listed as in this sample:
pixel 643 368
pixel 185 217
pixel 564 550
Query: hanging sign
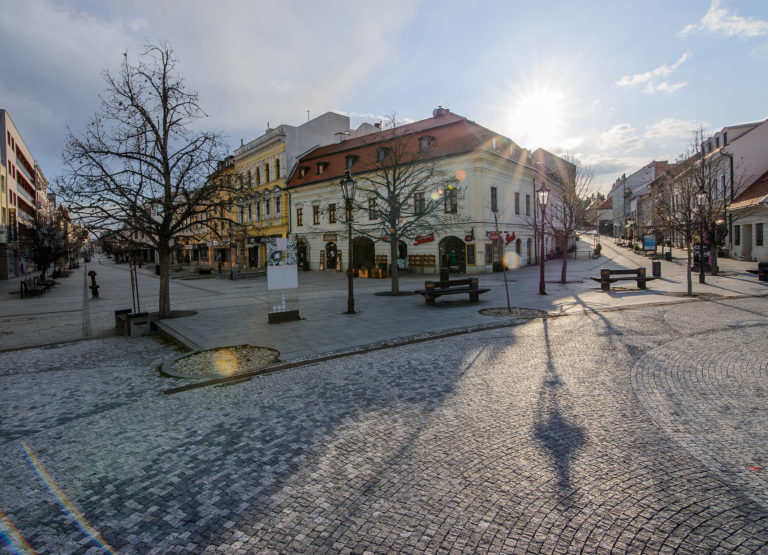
pixel 423 239
pixel 510 238
pixel 493 236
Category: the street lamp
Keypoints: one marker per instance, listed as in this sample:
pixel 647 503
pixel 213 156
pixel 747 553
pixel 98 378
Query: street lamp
pixel 348 185
pixel 701 198
pixel 543 194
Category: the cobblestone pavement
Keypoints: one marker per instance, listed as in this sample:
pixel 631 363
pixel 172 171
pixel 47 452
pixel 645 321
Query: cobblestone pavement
pixel 634 430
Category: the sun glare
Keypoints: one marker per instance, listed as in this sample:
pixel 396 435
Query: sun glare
pixel 537 117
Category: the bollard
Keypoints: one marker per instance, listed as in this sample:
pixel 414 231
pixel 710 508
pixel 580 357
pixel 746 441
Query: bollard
pixel 93 287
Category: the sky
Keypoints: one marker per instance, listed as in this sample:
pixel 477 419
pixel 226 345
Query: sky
pixel 615 84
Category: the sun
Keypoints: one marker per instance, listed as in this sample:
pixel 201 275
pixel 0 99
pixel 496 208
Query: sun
pixel 536 117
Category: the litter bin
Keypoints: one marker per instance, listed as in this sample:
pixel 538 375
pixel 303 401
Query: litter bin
pixel 444 274
pixel 656 267
pixel 668 255
pixel 157 269
pixel 762 271
pixel 121 317
pixel 138 324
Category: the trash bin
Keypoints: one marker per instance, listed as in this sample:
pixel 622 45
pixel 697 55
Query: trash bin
pixel 157 269
pixel 656 267
pixel 121 317
pixel 138 324
pixel 444 274
pixel 668 255
pixel 762 271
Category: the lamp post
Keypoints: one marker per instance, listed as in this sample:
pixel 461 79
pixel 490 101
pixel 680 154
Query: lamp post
pixel 701 198
pixel 231 269
pixel 348 185
pixel 543 195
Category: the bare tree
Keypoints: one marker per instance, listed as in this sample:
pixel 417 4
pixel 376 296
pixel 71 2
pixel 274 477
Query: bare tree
pixel 142 164
pixel 47 239
pixel 569 206
pixel 410 194
pixel 674 199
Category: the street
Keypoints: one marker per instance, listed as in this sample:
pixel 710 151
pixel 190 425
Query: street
pixel 642 427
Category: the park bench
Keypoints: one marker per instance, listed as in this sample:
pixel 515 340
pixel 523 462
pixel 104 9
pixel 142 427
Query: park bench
pixel 30 288
pixel 435 289
pixel 608 276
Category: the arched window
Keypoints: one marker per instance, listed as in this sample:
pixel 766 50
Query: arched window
pixel 277 168
pixel 267 204
pixel 266 173
pixel 258 176
pixel 278 194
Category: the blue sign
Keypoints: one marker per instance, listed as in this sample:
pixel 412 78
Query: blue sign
pixel 649 243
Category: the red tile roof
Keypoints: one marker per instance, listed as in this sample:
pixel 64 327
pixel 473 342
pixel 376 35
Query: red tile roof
pixel 607 204
pixel 452 135
pixel 753 195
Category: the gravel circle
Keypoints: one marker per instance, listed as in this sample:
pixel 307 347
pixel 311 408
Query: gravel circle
pixel 222 361
pixel 515 312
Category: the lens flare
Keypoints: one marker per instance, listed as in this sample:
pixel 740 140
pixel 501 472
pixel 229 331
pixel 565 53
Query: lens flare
pixel 61 498
pixel 12 537
pixel 226 362
pixel 435 196
pixel 511 260
pixel 461 175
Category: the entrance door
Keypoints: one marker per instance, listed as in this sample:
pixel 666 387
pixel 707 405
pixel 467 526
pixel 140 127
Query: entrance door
pixel 330 256
pixel 301 254
pixel 746 240
pixel 452 255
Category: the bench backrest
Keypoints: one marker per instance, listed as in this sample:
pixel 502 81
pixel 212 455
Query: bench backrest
pixel 473 283
pixel 621 272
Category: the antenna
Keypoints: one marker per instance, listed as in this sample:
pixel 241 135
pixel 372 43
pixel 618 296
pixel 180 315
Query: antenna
pixel 307 115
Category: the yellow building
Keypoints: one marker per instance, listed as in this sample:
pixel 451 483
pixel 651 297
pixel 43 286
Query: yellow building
pixel 261 168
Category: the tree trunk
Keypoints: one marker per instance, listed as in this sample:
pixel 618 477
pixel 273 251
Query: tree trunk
pixel 564 267
pixel 164 299
pixel 713 247
pixel 688 271
pixel 393 257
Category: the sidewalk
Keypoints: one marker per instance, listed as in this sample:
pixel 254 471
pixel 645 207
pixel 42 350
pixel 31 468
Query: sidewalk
pixel 235 312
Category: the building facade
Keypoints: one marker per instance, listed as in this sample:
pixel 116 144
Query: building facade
pixel 485 178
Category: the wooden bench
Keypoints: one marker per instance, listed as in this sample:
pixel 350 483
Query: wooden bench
pixel 607 277
pixel 29 288
pixel 435 289
pixel 422 260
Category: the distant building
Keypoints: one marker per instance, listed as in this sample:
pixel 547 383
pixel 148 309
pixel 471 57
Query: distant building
pixel 24 190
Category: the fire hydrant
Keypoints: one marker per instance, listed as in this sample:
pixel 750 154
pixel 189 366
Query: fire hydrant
pixel 94 288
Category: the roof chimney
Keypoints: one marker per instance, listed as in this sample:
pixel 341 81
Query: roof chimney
pixel 439 112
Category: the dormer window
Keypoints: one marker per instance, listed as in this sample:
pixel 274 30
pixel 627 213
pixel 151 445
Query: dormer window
pixel 303 171
pixel 350 161
pixel 381 154
pixel 321 167
pixel 425 143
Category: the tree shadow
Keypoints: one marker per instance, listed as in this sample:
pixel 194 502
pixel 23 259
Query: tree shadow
pixel 552 427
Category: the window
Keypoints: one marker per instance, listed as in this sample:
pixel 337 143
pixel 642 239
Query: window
pixel 299 216
pixel 758 235
pixel 527 205
pixel 373 214
pixel 277 168
pixel 257 202
pixel 278 208
pixel 303 171
pixel 266 175
pixel 725 138
pixel 331 213
pixel 350 161
pixel 451 202
pixel 737 235
pixel 717 141
pixel 419 204
pixel 517 203
pixel 381 154
pixel 316 215
pixel 424 143
pixel 266 206
pixel 494 200
pixel 258 176
pixel 321 167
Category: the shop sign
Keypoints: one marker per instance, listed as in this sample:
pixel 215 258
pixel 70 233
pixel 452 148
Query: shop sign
pixel 494 236
pixel 328 237
pixel 419 239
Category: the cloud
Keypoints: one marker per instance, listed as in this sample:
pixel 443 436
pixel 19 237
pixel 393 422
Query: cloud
pixel 649 77
pixel 717 20
pixel 620 136
pixel 672 128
